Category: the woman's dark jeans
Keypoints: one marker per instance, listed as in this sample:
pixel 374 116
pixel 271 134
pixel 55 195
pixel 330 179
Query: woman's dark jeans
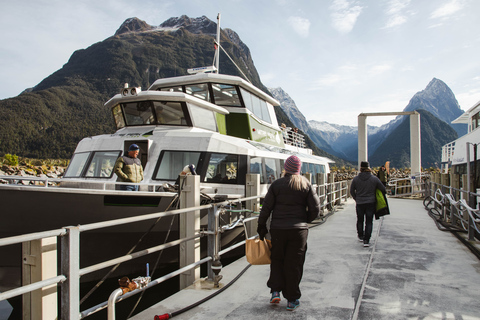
pixel 365 213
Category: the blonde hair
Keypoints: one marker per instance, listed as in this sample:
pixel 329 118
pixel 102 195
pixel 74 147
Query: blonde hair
pixel 298 182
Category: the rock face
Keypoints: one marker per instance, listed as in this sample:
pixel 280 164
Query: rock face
pixel 439 100
pixel 52 172
pixel 133 25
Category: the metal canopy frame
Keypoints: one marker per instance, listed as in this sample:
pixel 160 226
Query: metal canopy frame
pixel 415 138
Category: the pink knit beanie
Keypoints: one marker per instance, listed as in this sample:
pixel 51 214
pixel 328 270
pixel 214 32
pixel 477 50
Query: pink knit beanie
pixel 293 165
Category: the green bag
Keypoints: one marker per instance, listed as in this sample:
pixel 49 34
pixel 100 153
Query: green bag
pixel 382 204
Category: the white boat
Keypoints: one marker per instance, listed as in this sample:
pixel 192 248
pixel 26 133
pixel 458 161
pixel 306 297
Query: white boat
pixel 456 154
pixel 221 124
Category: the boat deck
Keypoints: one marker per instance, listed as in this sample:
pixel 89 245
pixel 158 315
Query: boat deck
pixel 412 270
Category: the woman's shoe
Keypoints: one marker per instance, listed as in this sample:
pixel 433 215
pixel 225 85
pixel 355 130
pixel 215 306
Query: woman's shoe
pixel 275 297
pixel 292 305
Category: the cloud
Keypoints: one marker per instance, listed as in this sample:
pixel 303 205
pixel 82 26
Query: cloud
pixel 344 15
pixel 379 69
pixel 396 13
pixel 300 25
pixel 448 9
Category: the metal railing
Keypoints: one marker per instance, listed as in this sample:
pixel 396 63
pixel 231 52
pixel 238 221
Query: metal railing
pixel 69 238
pixel 456 208
pixel 62 183
pixel 407 186
pixel 293 138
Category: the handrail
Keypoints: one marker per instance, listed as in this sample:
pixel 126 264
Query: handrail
pixel 31 287
pixel 32 236
pixel 331 189
pixel 456 213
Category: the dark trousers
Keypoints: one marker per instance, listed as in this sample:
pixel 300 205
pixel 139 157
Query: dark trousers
pixel 365 213
pixel 288 256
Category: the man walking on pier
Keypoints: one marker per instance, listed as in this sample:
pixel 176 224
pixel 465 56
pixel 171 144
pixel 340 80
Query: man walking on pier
pixel 363 189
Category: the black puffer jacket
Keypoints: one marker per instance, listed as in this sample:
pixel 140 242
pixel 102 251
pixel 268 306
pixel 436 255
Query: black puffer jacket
pixel 289 206
pixel 364 186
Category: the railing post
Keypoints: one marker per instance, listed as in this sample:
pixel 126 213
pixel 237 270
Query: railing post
pixel 40 263
pixel 330 194
pixel 189 226
pixel 70 268
pixel 252 188
pixel 211 239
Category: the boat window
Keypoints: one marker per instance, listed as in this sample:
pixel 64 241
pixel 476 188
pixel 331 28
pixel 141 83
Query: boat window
pixel 169 113
pixel 171 163
pixel 203 118
pixel 139 113
pixel 226 95
pixel 272 170
pixel 172 89
pixel 199 90
pixel 118 116
pixel 256 105
pixel 222 168
pixel 311 170
pixel 304 168
pixel 102 163
pixel 475 121
pixel 256 167
pixel 76 165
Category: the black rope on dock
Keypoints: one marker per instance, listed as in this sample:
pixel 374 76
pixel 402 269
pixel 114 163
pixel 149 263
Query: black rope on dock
pixel 176 313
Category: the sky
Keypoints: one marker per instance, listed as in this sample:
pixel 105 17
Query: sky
pixel 335 58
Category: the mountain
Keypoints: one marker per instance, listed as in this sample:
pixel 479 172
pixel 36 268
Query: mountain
pixel 396 146
pixel 47 121
pixel 439 100
pixel 299 121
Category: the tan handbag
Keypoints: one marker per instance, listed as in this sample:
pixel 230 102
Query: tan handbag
pixel 258 251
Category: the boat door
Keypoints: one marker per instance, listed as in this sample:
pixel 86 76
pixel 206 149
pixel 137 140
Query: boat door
pixel 143 154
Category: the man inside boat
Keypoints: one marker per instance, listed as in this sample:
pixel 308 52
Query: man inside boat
pixel 128 168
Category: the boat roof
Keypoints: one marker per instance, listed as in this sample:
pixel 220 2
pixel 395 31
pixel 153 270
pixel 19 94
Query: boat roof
pixel 464 118
pixel 212 77
pixel 164 95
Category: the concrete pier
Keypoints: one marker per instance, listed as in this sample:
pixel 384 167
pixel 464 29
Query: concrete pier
pixel 412 270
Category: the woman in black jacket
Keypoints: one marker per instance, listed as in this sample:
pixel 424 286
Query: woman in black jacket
pixel 287 201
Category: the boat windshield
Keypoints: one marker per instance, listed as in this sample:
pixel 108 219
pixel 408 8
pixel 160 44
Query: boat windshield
pixel 149 113
pixel 171 163
pixel 98 164
pixel 222 168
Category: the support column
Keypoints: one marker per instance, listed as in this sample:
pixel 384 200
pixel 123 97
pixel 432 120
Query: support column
pixel 40 263
pixel 252 188
pixel 189 226
pixel 362 139
pixel 415 144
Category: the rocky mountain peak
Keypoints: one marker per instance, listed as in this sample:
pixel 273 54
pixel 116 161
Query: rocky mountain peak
pixel 194 25
pixel 133 25
pixel 439 100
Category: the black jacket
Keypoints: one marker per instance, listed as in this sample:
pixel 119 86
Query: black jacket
pixel 364 186
pixel 289 206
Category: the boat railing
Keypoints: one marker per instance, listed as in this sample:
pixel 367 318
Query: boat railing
pixel 413 185
pixel 68 277
pixel 456 209
pixel 292 137
pixel 46 182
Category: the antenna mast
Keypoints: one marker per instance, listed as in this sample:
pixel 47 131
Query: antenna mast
pixel 217 47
